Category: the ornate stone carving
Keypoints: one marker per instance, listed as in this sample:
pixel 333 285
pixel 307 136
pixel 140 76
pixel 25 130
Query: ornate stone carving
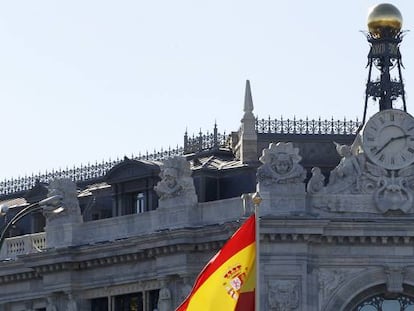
pixel 72 303
pixel 344 177
pixel 283 295
pixel 28 306
pixel 331 279
pixel 280 165
pixel 176 181
pixel 395 278
pixel 62 201
pixel 393 193
pixel 387 190
pixel 164 298
pixel 51 304
pixel 316 182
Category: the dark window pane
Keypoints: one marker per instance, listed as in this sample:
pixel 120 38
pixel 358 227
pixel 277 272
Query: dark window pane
pixel 99 304
pixel 130 302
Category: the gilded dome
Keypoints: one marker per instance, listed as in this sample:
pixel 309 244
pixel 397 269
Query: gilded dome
pixel 382 17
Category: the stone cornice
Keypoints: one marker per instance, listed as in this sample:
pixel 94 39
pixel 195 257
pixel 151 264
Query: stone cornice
pixel 323 231
pixel 338 239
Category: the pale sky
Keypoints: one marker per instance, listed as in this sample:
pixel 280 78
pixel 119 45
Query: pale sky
pixel 90 80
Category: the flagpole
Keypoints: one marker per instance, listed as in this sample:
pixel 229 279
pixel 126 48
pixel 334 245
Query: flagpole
pixel 256 201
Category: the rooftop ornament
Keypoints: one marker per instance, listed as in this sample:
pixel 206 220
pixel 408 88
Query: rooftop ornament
pixel 384 20
pixel 384 36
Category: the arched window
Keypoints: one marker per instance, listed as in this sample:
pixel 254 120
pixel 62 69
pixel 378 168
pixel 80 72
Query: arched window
pixel 383 303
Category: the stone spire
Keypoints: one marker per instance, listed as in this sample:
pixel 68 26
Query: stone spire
pixel 248 101
pixel 247 145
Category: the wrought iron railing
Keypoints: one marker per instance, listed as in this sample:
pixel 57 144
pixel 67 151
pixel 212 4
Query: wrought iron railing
pixel 206 141
pixel 81 173
pixel 193 144
pixel 97 171
pixel 306 126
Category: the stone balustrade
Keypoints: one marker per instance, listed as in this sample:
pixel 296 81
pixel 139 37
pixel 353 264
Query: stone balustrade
pixel 25 244
pixel 123 227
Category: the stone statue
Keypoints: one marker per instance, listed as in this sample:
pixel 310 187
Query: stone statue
pixel 51 304
pixel 168 187
pixel 317 181
pixel 176 181
pixel 72 303
pixel 345 176
pixel 28 306
pixel 62 201
pixel 280 165
pixel 164 299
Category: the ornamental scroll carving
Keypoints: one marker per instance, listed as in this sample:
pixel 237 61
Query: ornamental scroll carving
pixel 356 176
pixel 176 181
pixel 331 279
pixel 283 295
pixel 280 165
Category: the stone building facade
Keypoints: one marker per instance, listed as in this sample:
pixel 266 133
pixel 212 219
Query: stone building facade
pixel 336 220
pixel 335 230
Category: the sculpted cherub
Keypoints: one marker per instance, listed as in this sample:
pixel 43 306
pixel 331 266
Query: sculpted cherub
pixel 280 165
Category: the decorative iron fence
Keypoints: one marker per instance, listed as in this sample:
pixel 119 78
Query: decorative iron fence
pixel 96 171
pixel 206 141
pixel 192 144
pixel 306 126
pixel 81 173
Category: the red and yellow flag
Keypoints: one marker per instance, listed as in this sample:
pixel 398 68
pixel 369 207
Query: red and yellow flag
pixel 228 281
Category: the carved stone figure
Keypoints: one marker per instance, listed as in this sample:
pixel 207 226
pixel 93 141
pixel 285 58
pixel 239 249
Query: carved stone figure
pixel 164 300
pixel 381 189
pixel 72 303
pixel 62 201
pixel 51 306
pixel 28 306
pixel 280 165
pixel 344 177
pixel 283 295
pixel 176 181
pixel 317 181
pixel 393 194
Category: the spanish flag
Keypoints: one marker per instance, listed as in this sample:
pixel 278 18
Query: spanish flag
pixel 227 282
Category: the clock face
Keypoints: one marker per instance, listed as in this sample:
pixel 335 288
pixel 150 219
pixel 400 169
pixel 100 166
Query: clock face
pixel 388 139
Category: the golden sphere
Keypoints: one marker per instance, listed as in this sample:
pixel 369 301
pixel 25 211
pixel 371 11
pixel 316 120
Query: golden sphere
pixel 384 16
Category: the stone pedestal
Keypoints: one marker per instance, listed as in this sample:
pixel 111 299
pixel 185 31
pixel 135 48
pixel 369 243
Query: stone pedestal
pixel 63 235
pixel 282 199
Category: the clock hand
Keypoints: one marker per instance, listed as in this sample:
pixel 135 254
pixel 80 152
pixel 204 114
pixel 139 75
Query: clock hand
pixel 390 141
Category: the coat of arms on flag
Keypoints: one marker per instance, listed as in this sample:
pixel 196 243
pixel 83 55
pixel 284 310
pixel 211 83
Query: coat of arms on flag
pixel 229 279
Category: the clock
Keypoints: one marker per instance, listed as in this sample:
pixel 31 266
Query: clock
pixel 388 139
